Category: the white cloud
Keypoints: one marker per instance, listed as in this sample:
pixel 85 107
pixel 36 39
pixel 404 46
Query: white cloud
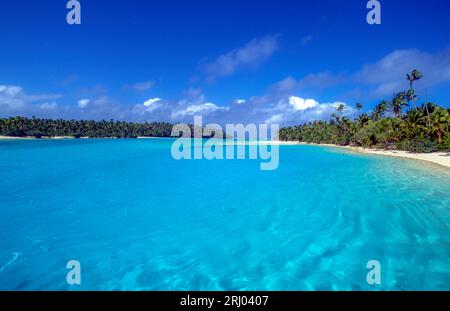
pixel 151 101
pixel 10 90
pixel 151 105
pixel 252 54
pixel 83 103
pixel 200 109
pixel 193 103
pixel 302 104
pixel 388 75
pixel 377 80
pixel 239 101
pixel 13 97
pixel 143 86
pixel 285 109
pixel 275 119
pixel 49 106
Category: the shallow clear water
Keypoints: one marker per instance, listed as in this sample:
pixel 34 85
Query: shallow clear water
pixel 137 219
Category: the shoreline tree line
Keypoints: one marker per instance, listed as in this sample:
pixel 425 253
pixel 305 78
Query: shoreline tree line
pixel 40 128
pixel 48 128
pixel 394 124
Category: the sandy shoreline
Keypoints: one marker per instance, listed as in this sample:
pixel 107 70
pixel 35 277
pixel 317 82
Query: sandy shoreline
pixel 32 137
pixel 440 158
pixel 14 138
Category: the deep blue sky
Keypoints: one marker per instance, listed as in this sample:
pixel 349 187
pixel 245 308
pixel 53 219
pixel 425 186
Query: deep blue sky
pixel 127 52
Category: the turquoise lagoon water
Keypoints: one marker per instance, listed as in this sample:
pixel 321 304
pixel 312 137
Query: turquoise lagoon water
pixel 138 220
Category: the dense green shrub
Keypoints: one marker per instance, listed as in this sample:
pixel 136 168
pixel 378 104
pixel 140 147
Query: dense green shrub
pixel 445 144
pixel 424 145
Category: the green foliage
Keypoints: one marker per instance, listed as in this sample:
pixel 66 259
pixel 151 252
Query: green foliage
pixel 419 145
pixel 414 131
pixel 22 127
pixel 445 144
pixel 424 129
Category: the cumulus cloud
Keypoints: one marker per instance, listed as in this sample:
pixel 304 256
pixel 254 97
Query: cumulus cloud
pixel 10 90
pixel 295 110
pixel 14 98
pixel 11 96
pixel 302 104
pixel 182 110
pixel 83 103
pixel 252 54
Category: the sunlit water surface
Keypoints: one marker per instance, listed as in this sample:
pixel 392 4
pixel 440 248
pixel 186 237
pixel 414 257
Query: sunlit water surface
pixel 136 219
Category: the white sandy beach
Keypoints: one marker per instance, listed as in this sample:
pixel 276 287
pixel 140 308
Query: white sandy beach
pixel 440 158
pixel 43 138
pixel 32 137
pixel 14 138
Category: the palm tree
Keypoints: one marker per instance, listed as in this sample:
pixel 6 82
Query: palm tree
pixel 439 119
pixel 380 109
pixel 415 123
pixel 334 118
pixel 340 108
pixel 398 102
pixel 363 119
pixel 359 106
pixel 429 107
pixel 18 126
pixel 412 77
pixel 415 117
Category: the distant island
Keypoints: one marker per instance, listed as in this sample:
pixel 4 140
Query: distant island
pixel 40 128
pixel 421 129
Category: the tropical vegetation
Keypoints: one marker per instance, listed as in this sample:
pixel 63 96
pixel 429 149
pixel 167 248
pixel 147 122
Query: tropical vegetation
pixel 393 124
pixel 34 127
